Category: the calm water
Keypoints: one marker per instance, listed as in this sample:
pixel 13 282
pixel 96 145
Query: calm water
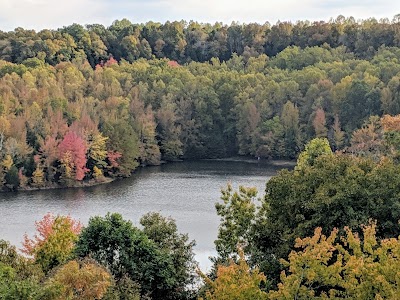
pixel 186 191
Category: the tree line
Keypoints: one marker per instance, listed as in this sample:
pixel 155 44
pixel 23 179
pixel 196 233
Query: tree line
pixel 192 41
pixel 68 123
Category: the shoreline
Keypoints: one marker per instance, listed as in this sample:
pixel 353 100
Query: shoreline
pixel 251 160
pixel 83 184
pixel 108 180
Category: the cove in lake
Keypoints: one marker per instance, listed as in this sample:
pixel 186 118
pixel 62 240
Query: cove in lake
pixel 186 191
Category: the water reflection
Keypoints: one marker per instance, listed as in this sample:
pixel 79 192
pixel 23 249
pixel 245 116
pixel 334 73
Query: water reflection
pixel 186 191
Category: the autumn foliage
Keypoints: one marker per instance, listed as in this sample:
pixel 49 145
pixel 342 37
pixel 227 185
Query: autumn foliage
pixel 319 123
pixel 54 240
pixel 173 64
pixel 81 280
pixel 378 137
pixel 72 154
pixel 165 92
pixel 391 123
pixel 348 267
pixel 113 157
pixel 235 281
pixel 342 265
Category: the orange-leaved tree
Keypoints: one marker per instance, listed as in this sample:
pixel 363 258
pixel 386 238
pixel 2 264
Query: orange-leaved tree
pixel 319 123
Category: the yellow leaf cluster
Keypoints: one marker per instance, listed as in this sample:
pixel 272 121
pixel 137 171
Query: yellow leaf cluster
pixel 97 173
pixel 97 147
pixel 38 177
pixel 351 268
pixel 67 166
pixel 236 281
pixel 4 125
pixel 81 280
pixel 7 162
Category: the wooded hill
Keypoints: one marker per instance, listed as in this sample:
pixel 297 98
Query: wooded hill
pixel 86 103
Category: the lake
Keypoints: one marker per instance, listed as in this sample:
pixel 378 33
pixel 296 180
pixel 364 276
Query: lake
pixel 186 191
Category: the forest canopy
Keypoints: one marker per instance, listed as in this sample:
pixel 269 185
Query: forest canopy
pixel 85 104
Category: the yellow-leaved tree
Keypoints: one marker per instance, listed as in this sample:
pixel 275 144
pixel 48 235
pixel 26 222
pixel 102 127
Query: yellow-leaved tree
pixel 342 268
pixel 54 242
pixel 235 281
pixel 97 149
pixel 83 280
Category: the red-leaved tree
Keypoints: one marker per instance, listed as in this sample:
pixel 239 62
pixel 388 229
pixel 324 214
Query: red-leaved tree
pixel 111 61
pixel 113 156
pixel 72 151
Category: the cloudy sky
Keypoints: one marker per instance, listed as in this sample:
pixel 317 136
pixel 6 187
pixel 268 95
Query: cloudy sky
pixel 39 14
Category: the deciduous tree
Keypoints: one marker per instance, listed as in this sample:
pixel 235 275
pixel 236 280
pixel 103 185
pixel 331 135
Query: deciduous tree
pixel 353 267
pixel 78 280
pixel 72 154
pixel 54 241
pixel 235 281
pixel 127 251
pixel 319 123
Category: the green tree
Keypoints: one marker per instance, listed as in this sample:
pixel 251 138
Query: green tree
pixel 247 127
pixel 145 125
pixel 127 251
pixel 169 131
pixel 237 212
pixel 12 179
pixel 124 139
pixel 163 231
pixel 355 107
pixel 336 191
pixel 313 149
pixel 290 122
pixel 19 278
pixel 124 289
pixel 13 288
pixel 272 145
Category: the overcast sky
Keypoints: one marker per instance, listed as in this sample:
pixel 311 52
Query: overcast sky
pixel 39 14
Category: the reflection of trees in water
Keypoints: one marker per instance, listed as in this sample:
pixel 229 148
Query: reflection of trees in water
pixel 79 195
pixel 165 188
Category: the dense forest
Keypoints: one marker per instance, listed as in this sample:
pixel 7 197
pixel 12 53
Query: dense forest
pixel 88 104
pixel 186 42
pixel 83 105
